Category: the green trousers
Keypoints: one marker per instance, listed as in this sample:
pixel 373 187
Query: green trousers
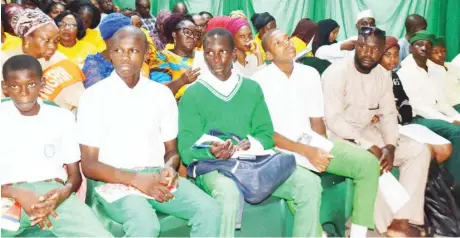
pixel 364 169
pixel 75 218
pixel 139 219
pixel 452 133
pixel 304 189
pixel 457 108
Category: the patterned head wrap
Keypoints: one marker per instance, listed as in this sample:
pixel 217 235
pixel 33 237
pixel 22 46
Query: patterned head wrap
pixel 218 22
pixel 235 24
pixel 29 20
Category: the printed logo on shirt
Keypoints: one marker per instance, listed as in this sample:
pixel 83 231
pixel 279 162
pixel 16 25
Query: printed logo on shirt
pixel 58 77
pixel 49 150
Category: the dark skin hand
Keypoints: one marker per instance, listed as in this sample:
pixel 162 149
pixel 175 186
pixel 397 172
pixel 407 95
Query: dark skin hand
pixel 152 184
pixel 189 76
pixel 28 201
pixel 39 208
pixel 222 150
pixel 387 158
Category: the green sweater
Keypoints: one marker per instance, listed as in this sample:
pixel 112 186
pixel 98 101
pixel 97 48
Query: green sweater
pixel 202 109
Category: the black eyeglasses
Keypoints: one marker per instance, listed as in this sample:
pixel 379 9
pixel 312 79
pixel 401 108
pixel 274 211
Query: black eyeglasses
pixel 371 30
pixel 192 34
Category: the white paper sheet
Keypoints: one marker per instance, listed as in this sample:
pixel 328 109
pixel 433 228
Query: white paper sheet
pixel 422 134
pixel 394 193
pixel 112 192
pixel 315 140
pixel 256 149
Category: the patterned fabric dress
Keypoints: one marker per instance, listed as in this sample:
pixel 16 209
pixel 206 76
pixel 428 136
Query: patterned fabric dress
pixel 166 66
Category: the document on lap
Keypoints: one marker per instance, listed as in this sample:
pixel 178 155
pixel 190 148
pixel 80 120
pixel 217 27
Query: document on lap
pixel 112 192
pixel 256 148
pixel 11 214
pixel 313 139
pixel 393 192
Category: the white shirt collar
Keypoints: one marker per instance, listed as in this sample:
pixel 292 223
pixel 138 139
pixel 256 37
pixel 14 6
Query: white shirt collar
pixel 225 88
pixel 118 82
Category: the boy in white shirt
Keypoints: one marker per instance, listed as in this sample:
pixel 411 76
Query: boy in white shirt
pixel 294 98
pixel 37 141
pixel 127 128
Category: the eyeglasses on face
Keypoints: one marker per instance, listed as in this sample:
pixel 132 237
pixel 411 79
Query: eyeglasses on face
pixel 64 25
pixel 189 33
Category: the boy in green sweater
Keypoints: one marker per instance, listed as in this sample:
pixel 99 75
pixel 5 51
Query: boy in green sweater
pixel 228 102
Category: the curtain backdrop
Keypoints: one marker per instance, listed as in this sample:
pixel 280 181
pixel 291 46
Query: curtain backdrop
pixel 443 16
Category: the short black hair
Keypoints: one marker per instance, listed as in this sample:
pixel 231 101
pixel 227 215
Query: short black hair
pixel 129 12
pixel 81 31
pixel 21 62
pixel 265 39
pixel 205 12
pixel 77 6
pixel 133 30
pixel 137 2
pixel 48 8
pixel 219 32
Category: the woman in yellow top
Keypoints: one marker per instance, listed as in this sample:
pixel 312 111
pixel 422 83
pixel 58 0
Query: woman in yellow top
pixel 10 42
pixel 263 22
pixel 303 33
pixel 71 32
pixel 90 16
pixel 173 67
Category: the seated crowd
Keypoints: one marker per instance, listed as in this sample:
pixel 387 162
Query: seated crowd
pixel 78 78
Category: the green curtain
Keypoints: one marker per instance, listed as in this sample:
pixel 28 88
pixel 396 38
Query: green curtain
pixel 443 16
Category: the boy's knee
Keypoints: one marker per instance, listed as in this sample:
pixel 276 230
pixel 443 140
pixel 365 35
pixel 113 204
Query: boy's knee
pixel 142 226
pixel 308 182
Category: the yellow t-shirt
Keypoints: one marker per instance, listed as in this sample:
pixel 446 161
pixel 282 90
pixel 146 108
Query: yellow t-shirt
pixel 11 42
pixel 300 45
pixel 94 37
pixel 78 52
pixel 259 42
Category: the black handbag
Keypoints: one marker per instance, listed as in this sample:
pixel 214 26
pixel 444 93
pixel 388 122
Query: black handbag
pixel 442 210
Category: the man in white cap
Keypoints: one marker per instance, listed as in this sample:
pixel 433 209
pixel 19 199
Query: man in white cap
pixel 365 19
pixel 345 48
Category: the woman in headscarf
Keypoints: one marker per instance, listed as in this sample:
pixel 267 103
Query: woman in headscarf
pixel 303 33
pixel 328 31
pixel 159 39
pixel 98 66
pixel 245 63
pixel 8 11
pixel 441 148
pixel 90 16
pixel 72 31
pixel 173 67
pixel 263 22
pixel 40 37
pixel 9 41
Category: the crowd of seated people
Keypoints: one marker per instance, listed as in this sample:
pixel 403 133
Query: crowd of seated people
pixel 119 96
